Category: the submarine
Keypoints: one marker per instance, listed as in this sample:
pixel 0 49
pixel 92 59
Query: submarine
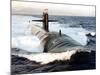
pixel 53 42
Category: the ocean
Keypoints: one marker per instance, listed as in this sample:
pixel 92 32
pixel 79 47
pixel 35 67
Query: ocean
pixel 76 27
pixel 80 29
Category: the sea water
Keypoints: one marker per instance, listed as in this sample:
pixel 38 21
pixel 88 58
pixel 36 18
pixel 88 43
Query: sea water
pixel 75 27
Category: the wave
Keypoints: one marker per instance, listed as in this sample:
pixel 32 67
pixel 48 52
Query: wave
pixel 29 43
pixel 92 34
pixel 21 27
pixel 45 58
pixel 78 34
pixel 55 62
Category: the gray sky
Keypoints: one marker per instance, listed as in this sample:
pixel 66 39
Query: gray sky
pixel 32 8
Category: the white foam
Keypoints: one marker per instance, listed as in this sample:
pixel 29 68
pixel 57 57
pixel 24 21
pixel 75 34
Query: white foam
pixel 28 43
pixel 22 37
pixel 93 33
pixel 77 34
pixel 21 34
pixel 45 58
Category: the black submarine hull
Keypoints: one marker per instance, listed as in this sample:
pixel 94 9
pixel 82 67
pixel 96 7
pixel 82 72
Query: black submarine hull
pixel 60 43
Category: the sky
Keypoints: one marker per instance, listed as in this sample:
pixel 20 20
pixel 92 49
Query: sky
pixel 33 8
pixel 87 2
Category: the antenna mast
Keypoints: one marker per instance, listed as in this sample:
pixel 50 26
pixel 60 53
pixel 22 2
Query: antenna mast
pixel 45 20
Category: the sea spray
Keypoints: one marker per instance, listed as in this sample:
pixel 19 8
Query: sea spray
pixel 45 58
pixel 28 43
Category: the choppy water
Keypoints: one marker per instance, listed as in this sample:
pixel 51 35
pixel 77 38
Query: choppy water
pixel 78 28
pixel 75 27
pixel 81 25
